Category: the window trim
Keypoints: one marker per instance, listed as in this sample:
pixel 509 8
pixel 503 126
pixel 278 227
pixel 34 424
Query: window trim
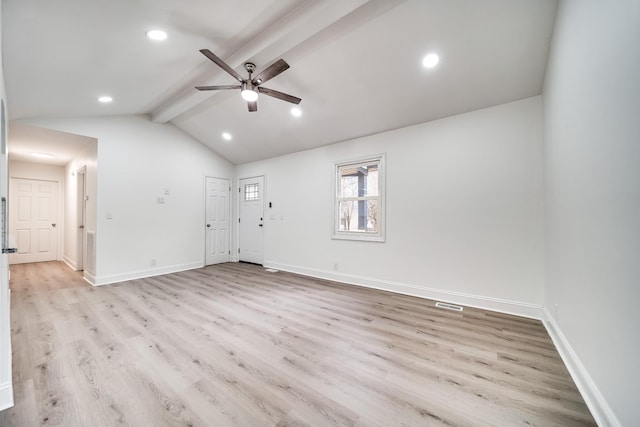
pixel 337 234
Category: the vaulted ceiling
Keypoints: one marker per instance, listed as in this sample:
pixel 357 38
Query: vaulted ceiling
pixel 356 64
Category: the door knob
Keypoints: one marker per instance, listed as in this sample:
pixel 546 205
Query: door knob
pixel 53 225
pixel 208 225
pixel 259 225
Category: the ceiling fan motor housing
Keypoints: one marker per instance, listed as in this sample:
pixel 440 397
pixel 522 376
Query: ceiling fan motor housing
pixel 250 67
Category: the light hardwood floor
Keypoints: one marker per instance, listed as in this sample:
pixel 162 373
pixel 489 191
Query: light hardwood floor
pixel 234 345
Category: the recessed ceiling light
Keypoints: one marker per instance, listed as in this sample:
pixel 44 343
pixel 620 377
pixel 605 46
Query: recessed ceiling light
pixel 43 155
pixel 431 60
pixel 157 35
pixel 226 136
pixel 296 112
pixel 105 99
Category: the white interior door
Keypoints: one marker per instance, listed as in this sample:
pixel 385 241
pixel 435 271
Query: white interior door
pixel 33 220
pixel 251 219
pixel 217 220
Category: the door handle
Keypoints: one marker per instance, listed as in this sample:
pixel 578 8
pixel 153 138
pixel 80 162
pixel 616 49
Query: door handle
pixel 208 225
pixel 259 225
pixel 81 226
pixel 53 225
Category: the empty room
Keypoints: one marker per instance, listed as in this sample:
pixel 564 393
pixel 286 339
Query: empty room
pixel 320 213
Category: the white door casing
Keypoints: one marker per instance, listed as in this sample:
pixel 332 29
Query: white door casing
pixel 81 196
pixel 250 230
pixel 33 220
pixel 217 223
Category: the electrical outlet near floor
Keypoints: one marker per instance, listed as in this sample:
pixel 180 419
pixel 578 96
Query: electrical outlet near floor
pixel 154 262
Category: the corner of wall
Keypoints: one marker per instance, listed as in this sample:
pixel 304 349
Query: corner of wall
pixel 592 396
pixel 71 263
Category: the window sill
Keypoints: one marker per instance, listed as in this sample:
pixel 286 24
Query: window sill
pixel 359 237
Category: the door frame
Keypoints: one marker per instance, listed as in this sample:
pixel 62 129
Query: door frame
pixel 81 217
pixel 236 252
pixel 230 216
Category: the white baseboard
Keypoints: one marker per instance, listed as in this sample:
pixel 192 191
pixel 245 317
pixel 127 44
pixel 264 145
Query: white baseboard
pixel 115 278
pixel 71 263
pixel 596 402
pixel 6 395
pixel 89 278
pixel 6 387
pixel 494 304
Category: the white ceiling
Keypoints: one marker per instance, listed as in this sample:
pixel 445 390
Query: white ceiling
pixel 24 140
pixel 356 64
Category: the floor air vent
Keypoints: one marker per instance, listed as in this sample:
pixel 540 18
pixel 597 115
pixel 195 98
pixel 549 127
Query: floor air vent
pixel 448 306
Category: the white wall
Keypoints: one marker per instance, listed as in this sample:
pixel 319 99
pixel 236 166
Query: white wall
pixel 20 169
pixel 6 387
pixel 464 210
pixel 87 160
pixel 137 160
pixel 592 158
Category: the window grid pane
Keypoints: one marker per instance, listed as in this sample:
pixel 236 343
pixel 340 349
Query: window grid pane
pixel 359 180
pixel 251 192
pixel 358 215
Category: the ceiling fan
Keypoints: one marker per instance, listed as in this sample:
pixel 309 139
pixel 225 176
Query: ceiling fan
pixel 250 87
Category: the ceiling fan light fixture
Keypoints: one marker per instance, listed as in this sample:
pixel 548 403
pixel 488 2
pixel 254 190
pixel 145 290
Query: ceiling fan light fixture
pixel 249 95
pixel 296 112
pixel 105 99
pixel 226 136
pixel 248 92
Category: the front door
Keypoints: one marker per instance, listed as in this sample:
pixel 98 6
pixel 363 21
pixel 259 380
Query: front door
pixel 33 220
pixel 217 220
pixel 251 219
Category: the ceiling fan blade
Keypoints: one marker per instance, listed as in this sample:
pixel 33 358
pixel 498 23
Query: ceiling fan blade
pixel 270 72
pixel 221 64
pixel 218 87
pixel 280 95
pixel 253 105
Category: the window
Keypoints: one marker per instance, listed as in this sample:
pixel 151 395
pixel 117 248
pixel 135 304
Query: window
pixel 359 200
pixel 251 192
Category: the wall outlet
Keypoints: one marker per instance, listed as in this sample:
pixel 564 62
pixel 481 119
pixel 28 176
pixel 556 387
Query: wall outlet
pixel 166 191
pixel 154 262
pixel 160 199
pixel 336 266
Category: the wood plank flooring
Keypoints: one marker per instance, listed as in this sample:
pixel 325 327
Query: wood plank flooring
pixel 234 345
